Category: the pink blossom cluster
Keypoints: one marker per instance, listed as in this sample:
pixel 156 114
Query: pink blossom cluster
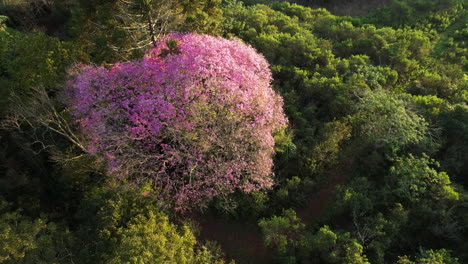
pixel 192 124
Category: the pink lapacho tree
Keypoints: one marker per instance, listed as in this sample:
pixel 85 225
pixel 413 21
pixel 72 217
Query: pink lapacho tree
pixel 193 119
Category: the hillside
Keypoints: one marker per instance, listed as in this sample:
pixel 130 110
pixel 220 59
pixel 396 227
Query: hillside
pixel 228 131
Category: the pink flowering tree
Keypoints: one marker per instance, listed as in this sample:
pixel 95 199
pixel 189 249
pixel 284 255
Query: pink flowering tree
pixel 193 119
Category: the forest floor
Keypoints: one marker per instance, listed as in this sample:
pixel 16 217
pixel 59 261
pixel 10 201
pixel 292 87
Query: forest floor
pixel 239 240
pixel 318 202
pixel 243 241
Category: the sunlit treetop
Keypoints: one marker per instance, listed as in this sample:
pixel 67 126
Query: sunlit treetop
pixel 192 120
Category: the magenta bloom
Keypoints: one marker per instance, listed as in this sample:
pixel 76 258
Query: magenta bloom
pixel 194 121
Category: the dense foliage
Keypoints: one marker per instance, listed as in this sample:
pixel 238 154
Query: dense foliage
pixel 372 167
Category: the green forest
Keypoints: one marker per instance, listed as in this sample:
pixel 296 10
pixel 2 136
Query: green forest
pixel 234 131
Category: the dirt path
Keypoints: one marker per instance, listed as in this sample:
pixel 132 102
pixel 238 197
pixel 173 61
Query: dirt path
pixel 243 241
pixel 320 200
pixel 239 240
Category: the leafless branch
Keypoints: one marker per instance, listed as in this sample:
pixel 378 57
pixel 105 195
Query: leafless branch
pixel 37 111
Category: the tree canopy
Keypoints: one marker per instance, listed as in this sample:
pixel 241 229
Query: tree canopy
pixel 257 131
pixel 194 119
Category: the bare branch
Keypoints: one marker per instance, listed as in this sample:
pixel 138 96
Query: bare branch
pixel 36 110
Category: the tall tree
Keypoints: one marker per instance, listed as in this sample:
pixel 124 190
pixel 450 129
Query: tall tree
pixel 194 119
pixel 146 20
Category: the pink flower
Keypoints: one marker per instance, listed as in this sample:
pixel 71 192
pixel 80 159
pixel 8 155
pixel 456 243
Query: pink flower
pixel 196 123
